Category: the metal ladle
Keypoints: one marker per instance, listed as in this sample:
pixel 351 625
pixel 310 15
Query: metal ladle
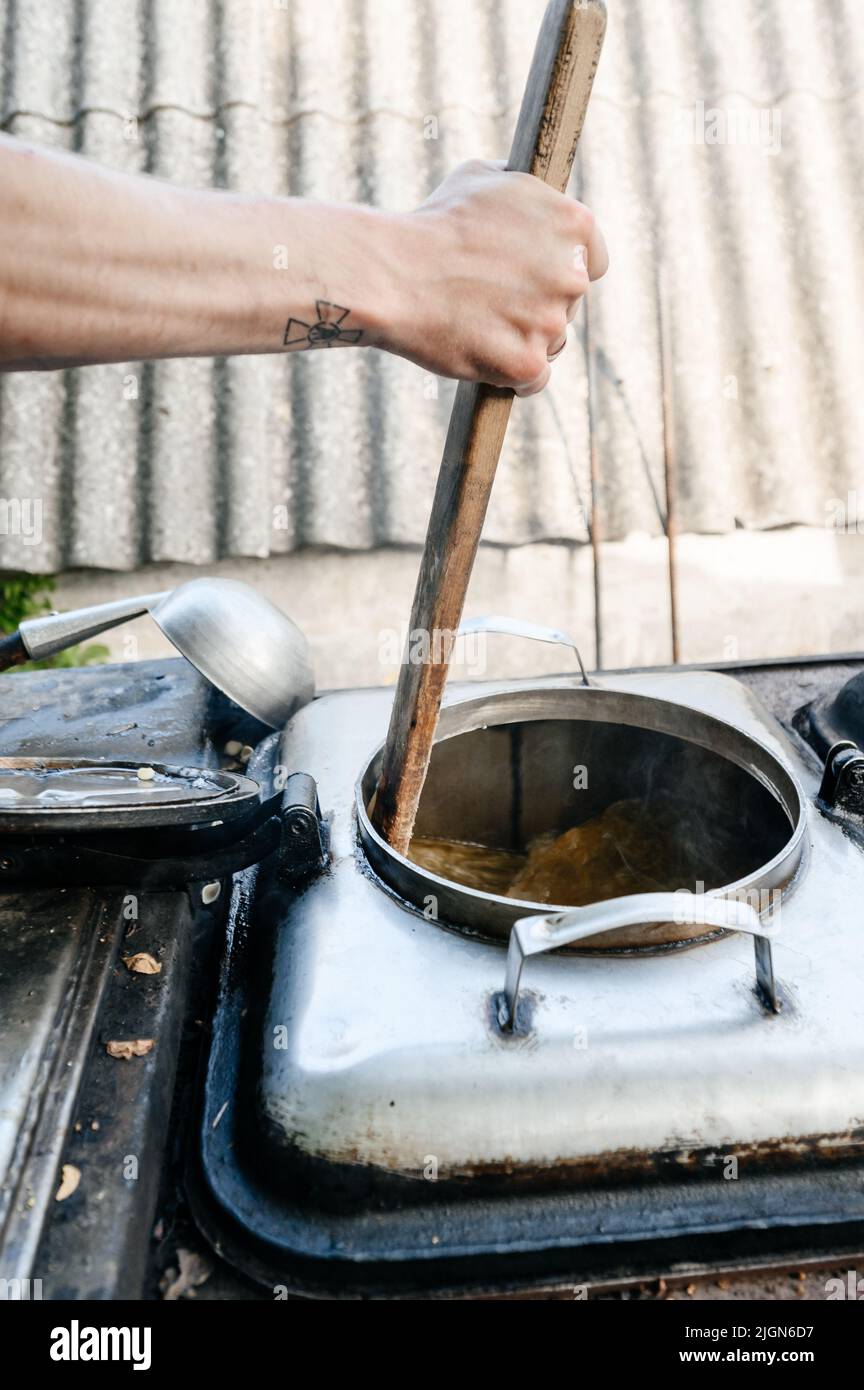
pixel 240 641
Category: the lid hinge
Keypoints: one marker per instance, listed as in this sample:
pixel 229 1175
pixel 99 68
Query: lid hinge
pixel 303 846
pixel 843 779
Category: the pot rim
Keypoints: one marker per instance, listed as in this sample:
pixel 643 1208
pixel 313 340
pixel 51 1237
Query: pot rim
pixel 585 703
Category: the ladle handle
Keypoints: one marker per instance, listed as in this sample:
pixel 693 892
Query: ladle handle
pixel 46 636
pixel 532 936
pixel 547 131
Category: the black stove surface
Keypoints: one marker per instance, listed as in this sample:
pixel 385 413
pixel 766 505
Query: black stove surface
pixel 126 1126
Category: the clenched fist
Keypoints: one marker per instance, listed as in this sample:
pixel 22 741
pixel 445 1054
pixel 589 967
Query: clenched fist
pixel 487 273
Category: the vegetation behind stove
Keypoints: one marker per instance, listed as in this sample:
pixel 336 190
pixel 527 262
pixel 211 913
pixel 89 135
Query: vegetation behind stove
pixel 29 596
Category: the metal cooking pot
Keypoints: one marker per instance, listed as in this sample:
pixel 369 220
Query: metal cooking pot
pixel 501 775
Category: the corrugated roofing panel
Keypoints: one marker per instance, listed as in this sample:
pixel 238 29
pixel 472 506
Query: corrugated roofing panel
pixel 761 254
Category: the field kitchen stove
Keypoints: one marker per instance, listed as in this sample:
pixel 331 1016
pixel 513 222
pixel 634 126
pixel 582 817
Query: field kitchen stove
pixel 412 1087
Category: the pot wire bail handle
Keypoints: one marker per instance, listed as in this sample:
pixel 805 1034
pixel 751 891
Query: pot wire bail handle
pixel 534 935
pixel 517 627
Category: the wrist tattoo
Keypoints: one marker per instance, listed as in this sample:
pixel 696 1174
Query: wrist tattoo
pixel 324 331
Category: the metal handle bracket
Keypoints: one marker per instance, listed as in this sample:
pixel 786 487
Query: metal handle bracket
pixel 534 935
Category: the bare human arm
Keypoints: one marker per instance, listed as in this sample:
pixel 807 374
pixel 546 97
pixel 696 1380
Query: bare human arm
pixel 98 266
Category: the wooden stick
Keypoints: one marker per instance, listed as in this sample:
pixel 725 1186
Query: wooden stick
pixel 594 474
pixel 670 459
pixel 547 132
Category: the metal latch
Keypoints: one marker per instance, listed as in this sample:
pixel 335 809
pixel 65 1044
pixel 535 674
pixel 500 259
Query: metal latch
pixel 843 779
pixel 303 846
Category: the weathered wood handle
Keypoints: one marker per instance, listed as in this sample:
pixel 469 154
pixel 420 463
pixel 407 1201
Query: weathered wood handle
pixel 547 132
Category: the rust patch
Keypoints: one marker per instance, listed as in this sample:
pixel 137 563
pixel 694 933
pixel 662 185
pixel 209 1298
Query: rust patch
pixel 808 1151
pixel 341 1179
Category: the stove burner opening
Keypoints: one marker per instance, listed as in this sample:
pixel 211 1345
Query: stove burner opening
pixel 568 812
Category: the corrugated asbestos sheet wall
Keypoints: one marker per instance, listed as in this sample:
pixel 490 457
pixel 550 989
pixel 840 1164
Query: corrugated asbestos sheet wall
pixel 723 147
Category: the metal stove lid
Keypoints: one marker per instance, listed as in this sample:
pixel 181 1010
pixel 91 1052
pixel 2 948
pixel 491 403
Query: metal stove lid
pixel 393 1052
pixel 71 794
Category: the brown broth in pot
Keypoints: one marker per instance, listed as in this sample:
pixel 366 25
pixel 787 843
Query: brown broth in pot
pixel 630 847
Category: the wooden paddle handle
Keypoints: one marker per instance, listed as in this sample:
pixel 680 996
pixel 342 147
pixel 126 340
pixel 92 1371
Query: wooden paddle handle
pixel 550 123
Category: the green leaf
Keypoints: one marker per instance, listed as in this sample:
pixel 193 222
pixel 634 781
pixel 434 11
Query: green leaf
pixel 27 596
